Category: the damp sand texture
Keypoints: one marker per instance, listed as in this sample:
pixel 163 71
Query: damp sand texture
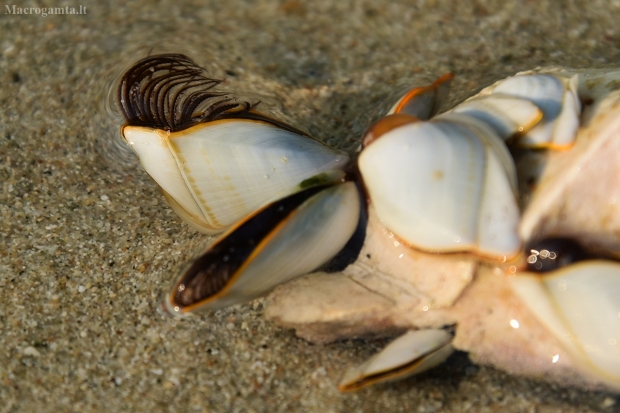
pixel 89 246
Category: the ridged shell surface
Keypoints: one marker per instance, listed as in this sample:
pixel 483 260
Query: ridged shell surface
pixel 305 239
pixel 580 305
pixel 219 172
pixel 444 186
pixel 412 353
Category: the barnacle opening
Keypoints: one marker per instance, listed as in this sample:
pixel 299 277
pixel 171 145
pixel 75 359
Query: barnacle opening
pixel 385 125
pixel 426 99
pixel 553 253
pixel 211 274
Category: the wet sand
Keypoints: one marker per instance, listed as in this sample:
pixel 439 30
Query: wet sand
pixel 88 244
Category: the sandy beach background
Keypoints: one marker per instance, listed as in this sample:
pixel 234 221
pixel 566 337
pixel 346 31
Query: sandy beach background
pixel 88 245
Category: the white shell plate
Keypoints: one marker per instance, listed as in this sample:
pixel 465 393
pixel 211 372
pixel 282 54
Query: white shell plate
pixel 580 305
pixel 440 187
pixel 316 232
pixel 223 170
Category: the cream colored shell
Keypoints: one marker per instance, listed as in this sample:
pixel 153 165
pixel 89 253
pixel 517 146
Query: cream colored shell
pixel 216 173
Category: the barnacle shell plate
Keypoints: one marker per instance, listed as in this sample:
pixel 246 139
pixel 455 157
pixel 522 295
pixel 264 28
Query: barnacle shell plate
pixel 411 353
pixel 506 114
pixel 578 195
pixel 445 185
pixel 425 101
pixel 305 239
pixel 211 192
pixel 556 96
pixel 580 305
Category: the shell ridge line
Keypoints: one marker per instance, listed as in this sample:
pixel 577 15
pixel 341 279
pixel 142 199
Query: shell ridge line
pixel 475 181
pixel 553 192
pixel 181 164
pixel 471 203
pixel 567 324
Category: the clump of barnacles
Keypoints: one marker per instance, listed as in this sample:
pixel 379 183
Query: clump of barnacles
pixel 491 228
